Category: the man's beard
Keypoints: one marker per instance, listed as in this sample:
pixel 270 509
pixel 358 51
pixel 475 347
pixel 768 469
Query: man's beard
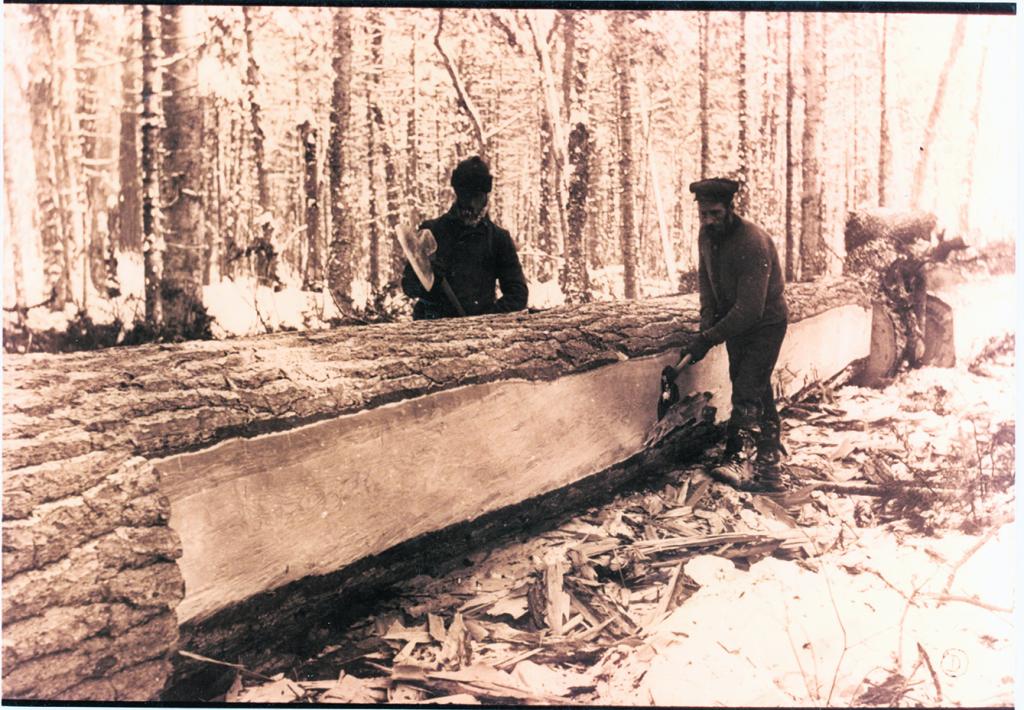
pixel 468 216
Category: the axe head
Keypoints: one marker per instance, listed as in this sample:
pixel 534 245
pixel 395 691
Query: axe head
pixel 669 391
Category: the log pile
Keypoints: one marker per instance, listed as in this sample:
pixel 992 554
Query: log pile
pixel 889 250
pixel 91 568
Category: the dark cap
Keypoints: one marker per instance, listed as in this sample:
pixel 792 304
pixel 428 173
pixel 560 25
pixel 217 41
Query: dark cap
pixel 715 189
pixel 472 175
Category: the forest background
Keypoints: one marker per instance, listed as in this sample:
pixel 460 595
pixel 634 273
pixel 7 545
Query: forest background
pixel 192 171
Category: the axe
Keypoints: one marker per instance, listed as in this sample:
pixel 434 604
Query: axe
pixel 669 391
pixel 418 246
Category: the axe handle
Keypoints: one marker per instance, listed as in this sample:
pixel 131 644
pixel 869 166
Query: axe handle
pixel 683 362
pixel 452 297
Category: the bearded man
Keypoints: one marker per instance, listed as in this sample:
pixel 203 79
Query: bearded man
pixel 742 304
pixel 473 255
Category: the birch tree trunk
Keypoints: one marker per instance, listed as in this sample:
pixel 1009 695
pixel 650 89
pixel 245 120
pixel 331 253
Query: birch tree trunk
pixel 263 249
pixel 811 257
pixel 181 282
pixel 792 265
pixel 627 179
pixel 884 142
pixel 312 279
pixel 920 170
pixel 702 70
pixel 743 150
pixel 86 81
pixel 574 278
pixel 152 243
pixel 555 137
pixel 340 266
pixel 392 207
pixel 50 218
pixel 129 203
pixel 13 234
pixel 373 22
pixel 412 187
pixel 69 164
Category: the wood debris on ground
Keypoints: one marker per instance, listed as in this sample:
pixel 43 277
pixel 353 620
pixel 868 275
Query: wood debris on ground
pixel 543 620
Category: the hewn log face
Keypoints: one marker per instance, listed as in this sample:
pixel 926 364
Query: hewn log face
pixel 85 530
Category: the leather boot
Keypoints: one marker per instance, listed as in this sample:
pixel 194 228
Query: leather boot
pixel 737 465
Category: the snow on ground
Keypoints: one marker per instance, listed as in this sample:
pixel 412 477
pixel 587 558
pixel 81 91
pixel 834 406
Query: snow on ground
pixel 786 634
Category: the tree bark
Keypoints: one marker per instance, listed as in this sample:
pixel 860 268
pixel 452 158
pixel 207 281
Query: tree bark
pixel 920 169
pixel 884 142
pixel 312 279
pixel 50 219
pixel 87 108
pixel 152 242
pixel 14 233
pixel 743 150
pixel 262 248
pixel 181 291
pixel 69 163
pixel 574 277
pixel 340 267
pixel 393 211
pixel 374 228
pixel 812 260
pixel 129 203
pixel 703 69
pixel 575 280
pixel 792 256
pixel 627 180
pixel 556 158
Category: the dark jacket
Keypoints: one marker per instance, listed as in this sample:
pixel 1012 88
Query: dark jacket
pixel 741 283
pixel 475 258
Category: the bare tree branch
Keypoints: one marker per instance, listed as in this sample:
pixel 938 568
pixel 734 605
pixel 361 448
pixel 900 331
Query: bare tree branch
pixel 464 100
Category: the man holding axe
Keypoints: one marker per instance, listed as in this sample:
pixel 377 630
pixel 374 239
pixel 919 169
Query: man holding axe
pixel 454 269
pixel 741 304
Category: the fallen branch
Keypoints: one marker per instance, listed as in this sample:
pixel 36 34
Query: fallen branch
pixel 237 666
pixel 942 598
pixel 931 669
pixel 881 491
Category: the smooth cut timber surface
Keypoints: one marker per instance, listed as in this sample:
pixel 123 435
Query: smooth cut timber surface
pixel 254 514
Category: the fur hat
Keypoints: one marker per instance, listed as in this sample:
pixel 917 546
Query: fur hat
pixel 472 175
pixel 715 189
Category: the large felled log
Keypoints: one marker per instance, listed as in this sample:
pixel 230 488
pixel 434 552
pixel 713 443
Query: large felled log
pixel 289 464
pixel 903 226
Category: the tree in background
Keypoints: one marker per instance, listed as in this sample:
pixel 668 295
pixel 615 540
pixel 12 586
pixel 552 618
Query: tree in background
pixel 180 290
pixel 574 279
pixel 52 218
pixel 627 178
pixel 152 117
pixel 595 123
pixel 885 145
pixel 811 258
pixel 340 266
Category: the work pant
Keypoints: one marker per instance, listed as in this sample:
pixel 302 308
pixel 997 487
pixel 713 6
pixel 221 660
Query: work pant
pixel 755 418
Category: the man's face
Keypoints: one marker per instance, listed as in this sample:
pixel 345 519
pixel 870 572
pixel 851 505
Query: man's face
pixel 714 216
pixel 471 207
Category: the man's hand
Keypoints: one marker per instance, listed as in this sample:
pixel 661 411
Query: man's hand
pixel 697 349
pixel 439 267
